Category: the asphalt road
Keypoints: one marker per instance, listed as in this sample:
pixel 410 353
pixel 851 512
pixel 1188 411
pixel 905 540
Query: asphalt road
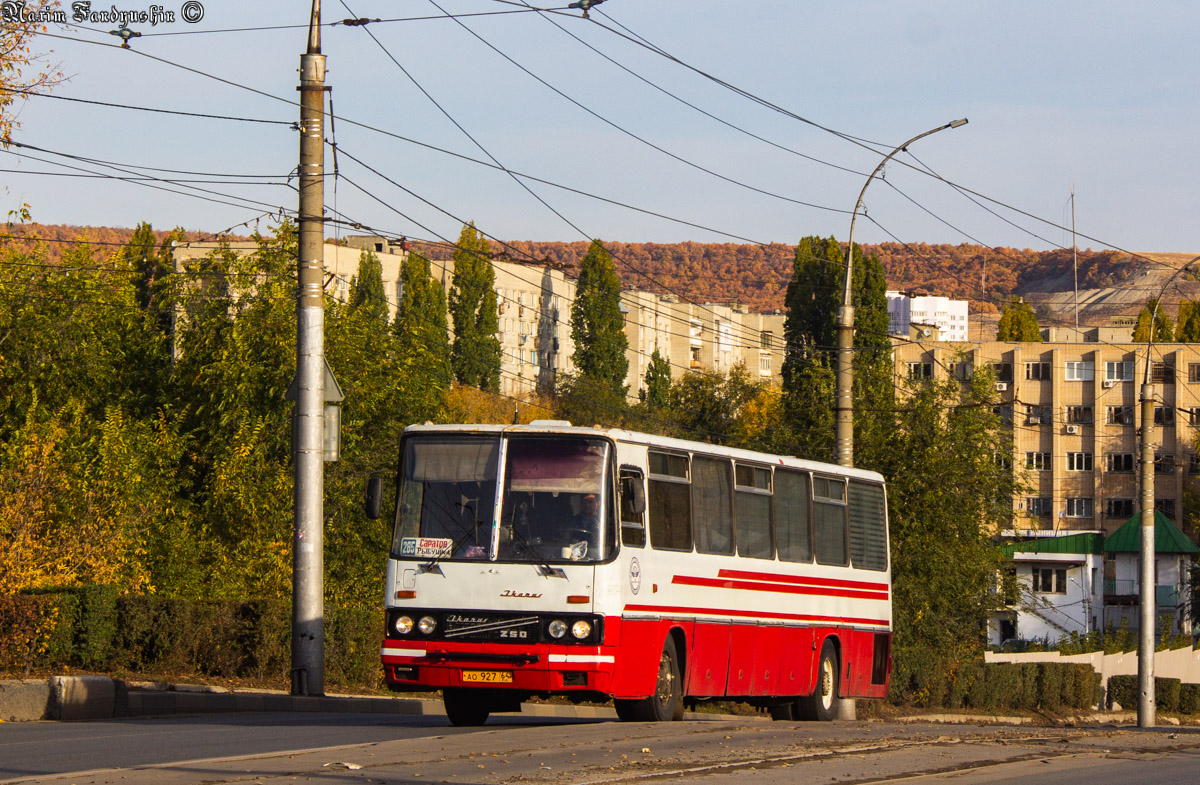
pixel 275 749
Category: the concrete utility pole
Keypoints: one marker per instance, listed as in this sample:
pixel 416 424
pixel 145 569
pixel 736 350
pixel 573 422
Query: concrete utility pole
pixel 1146 599
pixel 308 559
pixel 844 402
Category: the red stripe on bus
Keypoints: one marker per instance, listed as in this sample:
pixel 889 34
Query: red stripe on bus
pixel 754 614
pixel 719 583
pixel 768 576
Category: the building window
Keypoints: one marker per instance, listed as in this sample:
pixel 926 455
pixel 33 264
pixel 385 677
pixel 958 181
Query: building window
pixel 1164 463
pixel 1165 506
pixel 764 364
pixel 1119 462
pixel 1081 371
pixel 1037 371
pixel 1079 415
pixel 765 340
pixel 1164 415
pixel 1162 373
pixel 1004 412
pixel 920 371
pixel 1119 371
pixel 1119 508
pixel 1038 506
pixel 1079 507
pixel 1049 580
pixel 1120 415
pixel 962 371
pixel 1037 414
pixel 1038 461
pixel 1193 373
pixel 1079 461
pixel 1003 371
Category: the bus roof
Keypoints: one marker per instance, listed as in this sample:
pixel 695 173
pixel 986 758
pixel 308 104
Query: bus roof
pixel 649 440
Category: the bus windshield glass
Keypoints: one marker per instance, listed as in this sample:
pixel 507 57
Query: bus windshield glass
pixel 447 495
pixel 554 509
pixel 555 506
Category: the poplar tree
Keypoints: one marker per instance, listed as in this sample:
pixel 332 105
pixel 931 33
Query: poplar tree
pixel 597 326
pixel 1019 323
pixel 656 392
pixel 475 354
pixel 421 324
pixel 366 288
pixel 1164 328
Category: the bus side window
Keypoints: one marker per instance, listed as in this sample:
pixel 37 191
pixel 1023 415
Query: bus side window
pixel 633 505
pixel 670 503
pixel 753 506
pixel 712 505
pixel 829 520
pixel 868 530
pixel 792 536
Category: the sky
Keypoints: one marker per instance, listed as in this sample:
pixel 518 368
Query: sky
pixel 1095 98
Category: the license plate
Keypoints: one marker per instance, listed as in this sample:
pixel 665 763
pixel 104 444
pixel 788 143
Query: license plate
pixel 487 677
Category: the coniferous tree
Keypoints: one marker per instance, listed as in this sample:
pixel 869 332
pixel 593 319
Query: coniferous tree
pixel 366 288
pixel 475 354
pixel 597 326
pixel 1188 328
pixel 1019 323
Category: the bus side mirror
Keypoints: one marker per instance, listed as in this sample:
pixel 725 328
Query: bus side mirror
pixel 374 496
pixel 634 493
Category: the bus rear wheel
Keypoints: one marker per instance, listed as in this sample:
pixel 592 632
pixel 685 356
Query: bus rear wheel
pixel 666 704
pixel 465 707
pixel 822 704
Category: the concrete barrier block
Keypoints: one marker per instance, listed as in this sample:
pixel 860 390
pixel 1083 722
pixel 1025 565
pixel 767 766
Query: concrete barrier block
pixel 22 700
pixel 83 697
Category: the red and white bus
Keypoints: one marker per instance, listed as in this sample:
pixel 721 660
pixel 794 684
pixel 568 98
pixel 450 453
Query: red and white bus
pixel 546 559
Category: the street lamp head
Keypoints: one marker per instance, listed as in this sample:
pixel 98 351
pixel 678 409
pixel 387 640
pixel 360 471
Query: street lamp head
pixel 958 123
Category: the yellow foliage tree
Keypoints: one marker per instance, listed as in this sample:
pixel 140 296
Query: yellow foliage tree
pixel 23 69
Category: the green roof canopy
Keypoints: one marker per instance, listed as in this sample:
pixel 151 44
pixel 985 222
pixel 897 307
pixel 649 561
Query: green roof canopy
pixel 1083 542
pixel 1167 537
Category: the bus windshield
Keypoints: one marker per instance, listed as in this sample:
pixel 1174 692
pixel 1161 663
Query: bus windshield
pixel 554 507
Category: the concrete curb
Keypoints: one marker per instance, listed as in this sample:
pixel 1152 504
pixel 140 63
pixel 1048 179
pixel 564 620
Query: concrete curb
pixel 70 698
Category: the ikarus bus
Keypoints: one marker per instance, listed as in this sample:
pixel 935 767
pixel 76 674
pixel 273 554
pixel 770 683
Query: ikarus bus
pixel 603 564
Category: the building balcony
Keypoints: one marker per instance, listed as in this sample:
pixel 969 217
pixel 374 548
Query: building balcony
pixel 1126 592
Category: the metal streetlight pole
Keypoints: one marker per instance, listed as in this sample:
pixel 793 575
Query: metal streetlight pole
pixel 845 322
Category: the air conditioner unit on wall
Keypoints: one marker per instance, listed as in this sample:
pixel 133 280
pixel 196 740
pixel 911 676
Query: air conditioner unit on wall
pixel 1072 429
pixel 1108 383
pixel 1001 386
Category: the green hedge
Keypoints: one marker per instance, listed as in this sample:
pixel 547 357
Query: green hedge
pixel 1169 694
pixel 92 628
pixel 994 687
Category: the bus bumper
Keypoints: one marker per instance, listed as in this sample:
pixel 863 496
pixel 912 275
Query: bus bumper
pixel 537 668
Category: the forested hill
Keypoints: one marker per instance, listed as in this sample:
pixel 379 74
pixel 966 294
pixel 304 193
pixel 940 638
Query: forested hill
pixel 757 275
pixel 57 238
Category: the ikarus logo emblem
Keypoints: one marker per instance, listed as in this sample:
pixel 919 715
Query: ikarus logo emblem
pixel 525 594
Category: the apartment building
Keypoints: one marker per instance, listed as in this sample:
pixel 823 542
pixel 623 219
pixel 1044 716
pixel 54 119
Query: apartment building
pixel 1074 412
pixel 949 317
pixel 534 310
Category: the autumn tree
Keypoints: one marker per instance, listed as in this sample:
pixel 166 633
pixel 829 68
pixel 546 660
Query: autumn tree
pixel 475 354
pixel 1164 328
pixel 421 327
pixel 1189 323
pixel 1019 323
pixel 597 325
pixel 23 69
pixel 366 288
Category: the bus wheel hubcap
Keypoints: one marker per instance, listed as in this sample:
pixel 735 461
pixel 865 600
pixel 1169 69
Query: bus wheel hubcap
pixel 666 680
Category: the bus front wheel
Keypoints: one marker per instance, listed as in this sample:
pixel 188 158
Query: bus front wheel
pixel 666 704
pixel 465 707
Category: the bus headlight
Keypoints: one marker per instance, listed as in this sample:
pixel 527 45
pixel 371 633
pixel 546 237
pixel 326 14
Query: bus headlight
pixel 427 625
pixel 557 628
pixel 403 625
pixel 581 629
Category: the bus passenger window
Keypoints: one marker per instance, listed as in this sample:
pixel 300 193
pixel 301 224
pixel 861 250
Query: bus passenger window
pixel 670 503
pixel 753 506
pixel 633 527
pixel 868 527
pixel 712 516
pixel 829 520
pixel 792 536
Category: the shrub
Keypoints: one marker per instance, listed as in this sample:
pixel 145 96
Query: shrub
pixel 1189 699
pixel 1166 694
pixel 1122 690
pixel 1050 686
